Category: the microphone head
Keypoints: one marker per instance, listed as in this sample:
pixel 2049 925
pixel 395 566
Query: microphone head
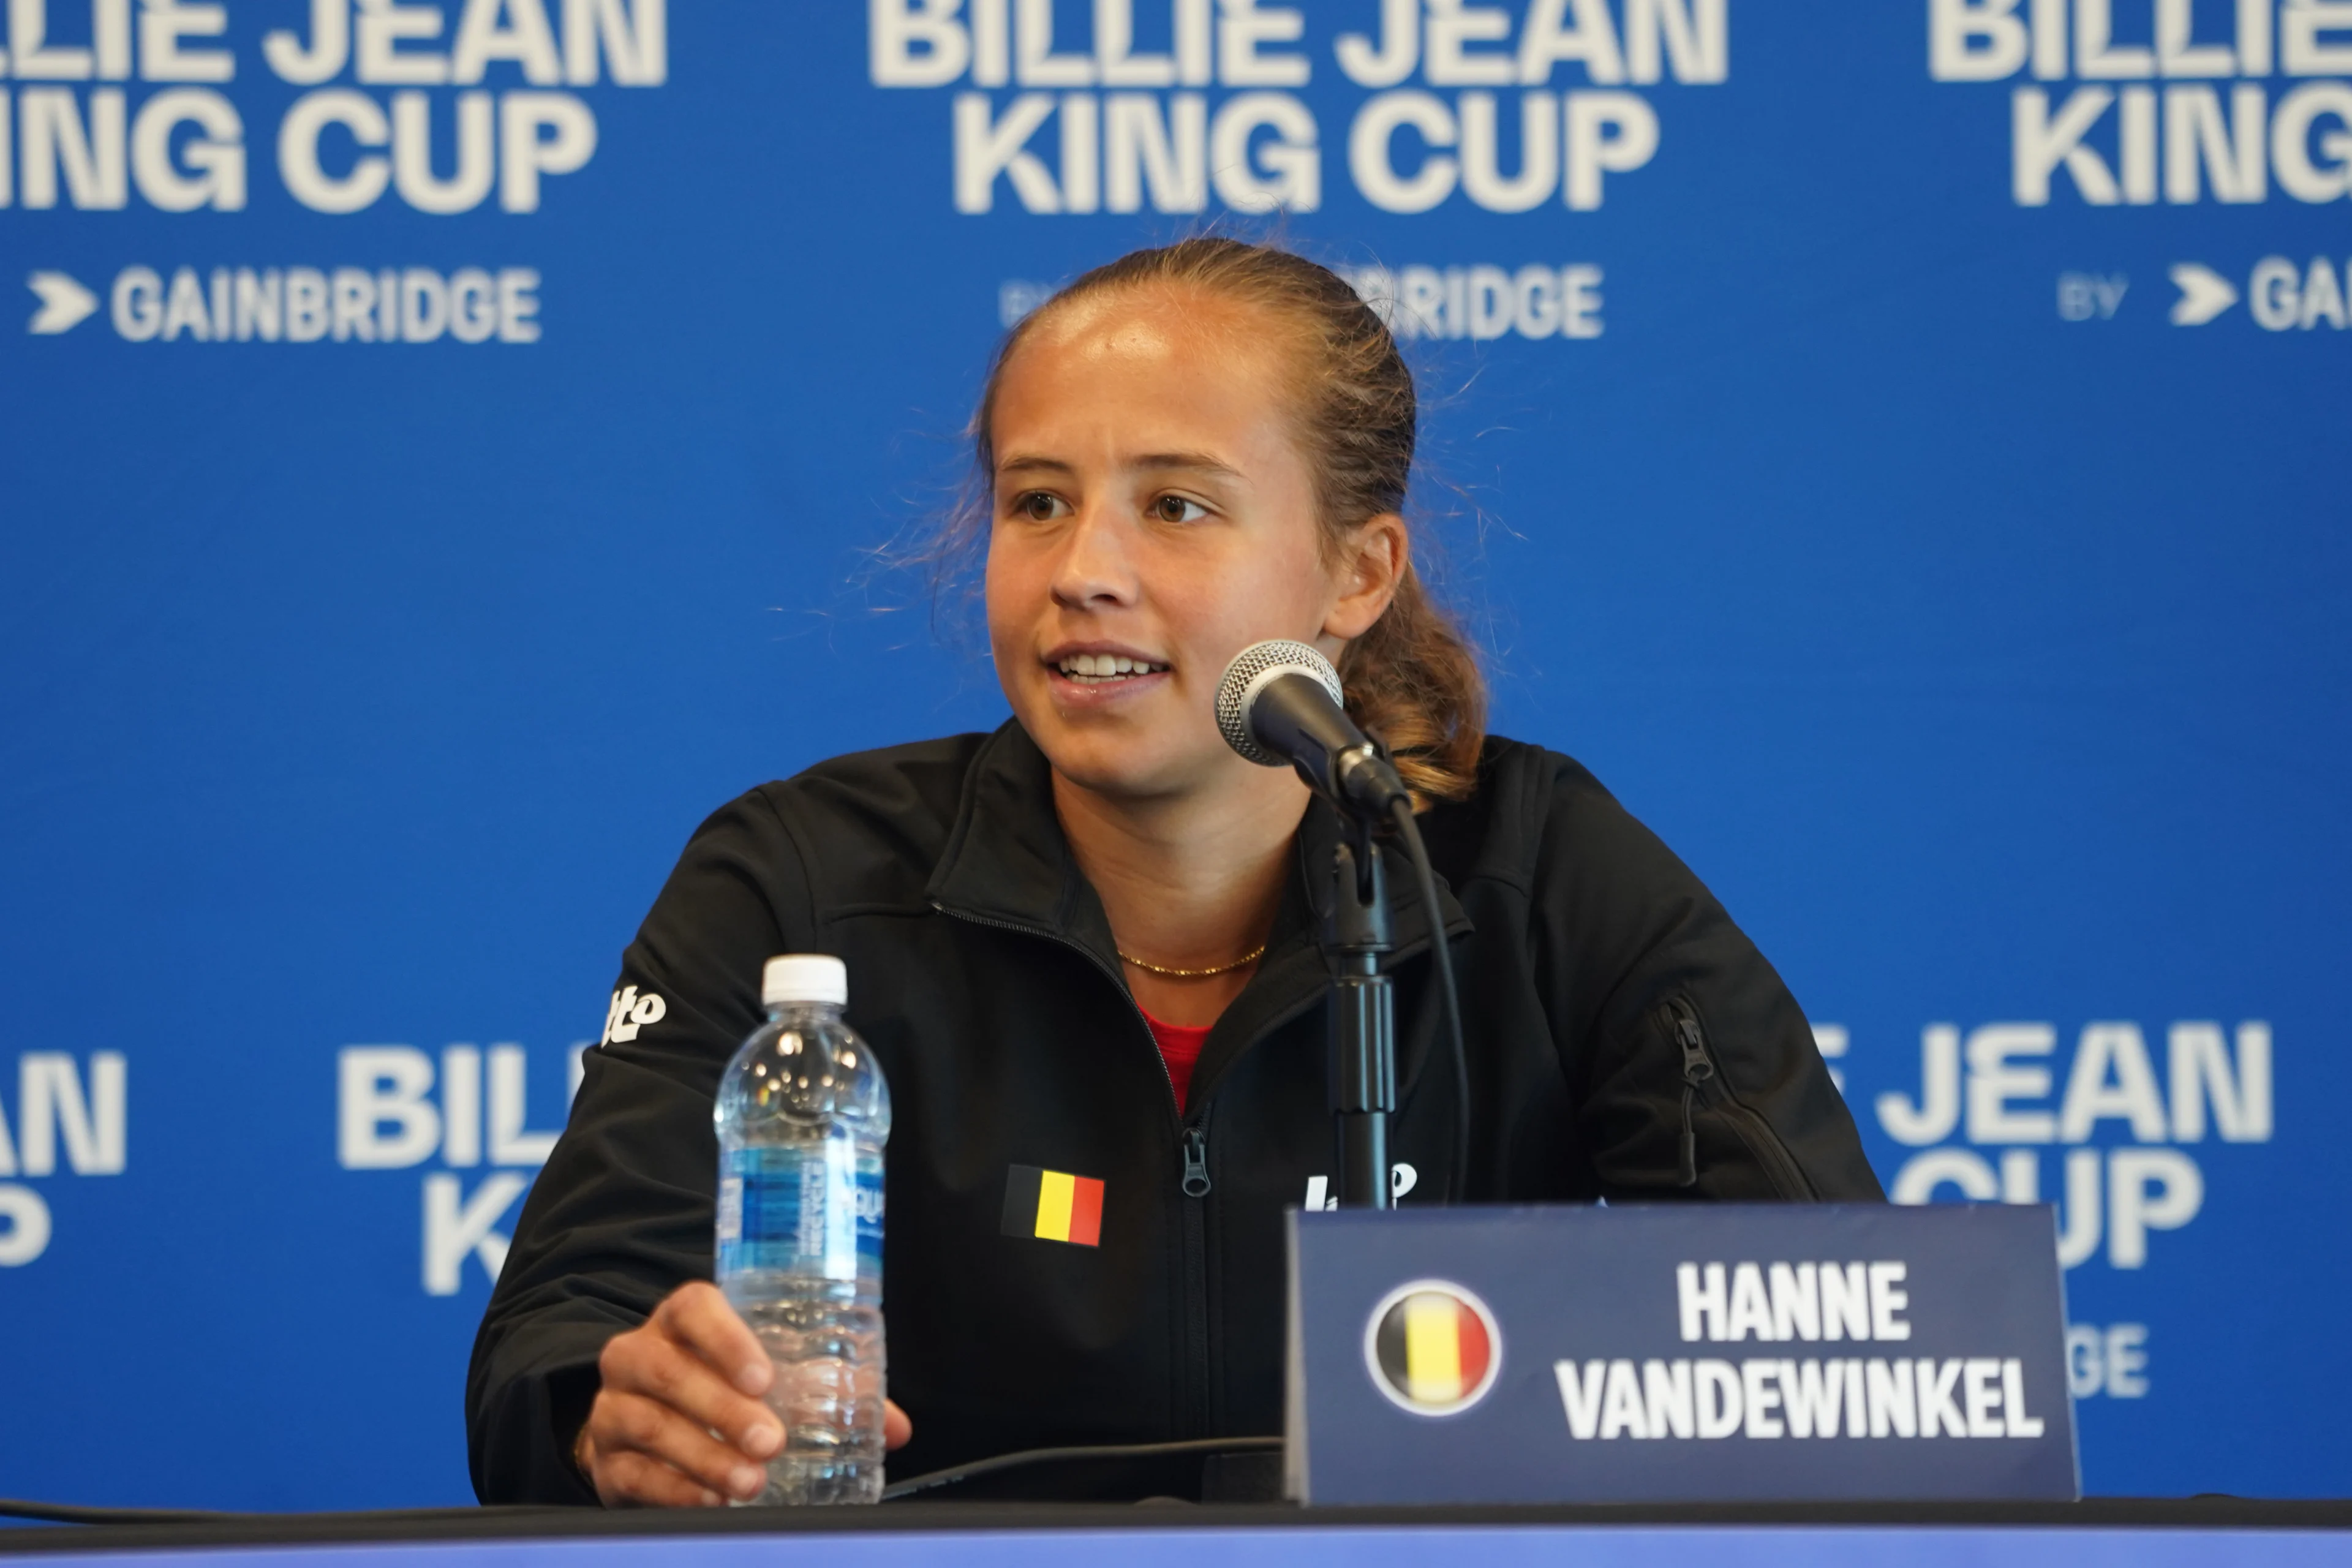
pixel 1244 678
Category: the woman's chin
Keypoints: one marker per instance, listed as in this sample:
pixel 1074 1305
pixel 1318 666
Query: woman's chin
pixel 1116 767
pixel 1125 749
pixel 1113 778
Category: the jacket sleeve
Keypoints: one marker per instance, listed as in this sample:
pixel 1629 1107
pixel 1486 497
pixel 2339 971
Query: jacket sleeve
pixel 1657 1002
pixel 621 1213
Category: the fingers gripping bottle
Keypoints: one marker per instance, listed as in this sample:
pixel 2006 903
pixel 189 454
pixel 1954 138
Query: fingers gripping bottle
pixel 803 1114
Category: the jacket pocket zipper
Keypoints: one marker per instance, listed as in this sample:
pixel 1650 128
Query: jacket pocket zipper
pixel 1700 1079
pixel 1696 1070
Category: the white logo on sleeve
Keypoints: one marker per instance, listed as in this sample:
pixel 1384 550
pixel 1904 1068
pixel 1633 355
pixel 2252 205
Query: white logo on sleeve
pixel 629 1012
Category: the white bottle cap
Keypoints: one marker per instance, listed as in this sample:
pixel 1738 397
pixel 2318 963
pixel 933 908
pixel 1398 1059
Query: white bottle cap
pixel 804 977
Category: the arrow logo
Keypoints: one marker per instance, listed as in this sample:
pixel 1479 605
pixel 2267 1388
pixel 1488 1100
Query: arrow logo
pixel 64 303
pixel 2204 294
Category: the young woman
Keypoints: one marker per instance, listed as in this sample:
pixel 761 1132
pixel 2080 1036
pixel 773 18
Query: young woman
pixel 1086 942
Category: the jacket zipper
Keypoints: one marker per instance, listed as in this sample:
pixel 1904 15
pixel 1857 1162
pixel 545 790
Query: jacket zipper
pixel 1700 1079
pixel 1195 1187
pixel 1196 1160
pixel 1193 1183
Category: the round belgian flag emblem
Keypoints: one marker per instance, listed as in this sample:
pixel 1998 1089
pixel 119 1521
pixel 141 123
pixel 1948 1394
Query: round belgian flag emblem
pixel 1433 1347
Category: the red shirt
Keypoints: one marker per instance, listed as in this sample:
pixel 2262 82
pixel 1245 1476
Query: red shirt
pixel 1180 1047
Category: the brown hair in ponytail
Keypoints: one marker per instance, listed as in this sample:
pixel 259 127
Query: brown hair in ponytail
pixel 1412 679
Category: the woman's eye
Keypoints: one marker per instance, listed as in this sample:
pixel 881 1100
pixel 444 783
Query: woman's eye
pixel 1176 509
pixel 1038 506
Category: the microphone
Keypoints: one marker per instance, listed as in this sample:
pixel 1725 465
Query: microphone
pixel 1279 702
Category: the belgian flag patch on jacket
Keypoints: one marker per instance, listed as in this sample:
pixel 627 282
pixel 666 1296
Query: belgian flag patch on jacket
pixel 1053 1205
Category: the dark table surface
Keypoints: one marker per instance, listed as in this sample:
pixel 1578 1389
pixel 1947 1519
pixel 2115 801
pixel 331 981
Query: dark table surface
pixel 945 1526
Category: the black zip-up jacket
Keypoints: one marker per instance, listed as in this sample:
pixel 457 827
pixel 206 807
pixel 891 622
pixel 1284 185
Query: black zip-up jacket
pixel 1608 1000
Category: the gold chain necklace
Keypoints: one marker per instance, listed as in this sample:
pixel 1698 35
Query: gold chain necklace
pixel 1248 958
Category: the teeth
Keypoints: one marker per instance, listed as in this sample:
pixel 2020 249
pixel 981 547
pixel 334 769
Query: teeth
pixel 1105 666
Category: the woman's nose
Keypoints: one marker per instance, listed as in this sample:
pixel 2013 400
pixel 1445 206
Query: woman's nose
pixel 1095 568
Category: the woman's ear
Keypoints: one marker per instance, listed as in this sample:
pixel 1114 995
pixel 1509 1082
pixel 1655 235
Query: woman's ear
pixel 1373 561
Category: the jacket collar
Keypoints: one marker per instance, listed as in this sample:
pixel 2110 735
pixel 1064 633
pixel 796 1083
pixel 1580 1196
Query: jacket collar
pixel 1006 860
pixel 1007 864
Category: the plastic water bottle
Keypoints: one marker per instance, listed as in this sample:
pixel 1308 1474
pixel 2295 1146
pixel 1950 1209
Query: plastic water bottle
pixel 803 1114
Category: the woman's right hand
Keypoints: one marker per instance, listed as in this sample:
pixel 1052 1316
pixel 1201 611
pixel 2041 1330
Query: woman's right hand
pixel 678 1422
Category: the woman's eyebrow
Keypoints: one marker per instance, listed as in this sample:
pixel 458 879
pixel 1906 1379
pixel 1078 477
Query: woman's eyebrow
pixel 1024 462
pixel 1194 462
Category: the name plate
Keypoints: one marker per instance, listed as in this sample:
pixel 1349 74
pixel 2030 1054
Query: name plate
pixel 1697 1353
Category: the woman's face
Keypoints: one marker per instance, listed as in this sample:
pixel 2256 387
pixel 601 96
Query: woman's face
pixel 1153 516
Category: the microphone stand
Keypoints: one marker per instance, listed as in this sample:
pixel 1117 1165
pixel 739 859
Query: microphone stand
pixel 1360 1030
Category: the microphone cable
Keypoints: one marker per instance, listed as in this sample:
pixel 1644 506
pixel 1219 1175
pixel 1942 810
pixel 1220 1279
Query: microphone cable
pixel 1027 1456
pixel 1441 945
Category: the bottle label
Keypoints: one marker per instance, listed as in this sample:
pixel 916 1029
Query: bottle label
pixel 811 1209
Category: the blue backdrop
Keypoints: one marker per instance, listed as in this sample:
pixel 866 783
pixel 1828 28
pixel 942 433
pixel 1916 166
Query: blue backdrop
pixel 1902 453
